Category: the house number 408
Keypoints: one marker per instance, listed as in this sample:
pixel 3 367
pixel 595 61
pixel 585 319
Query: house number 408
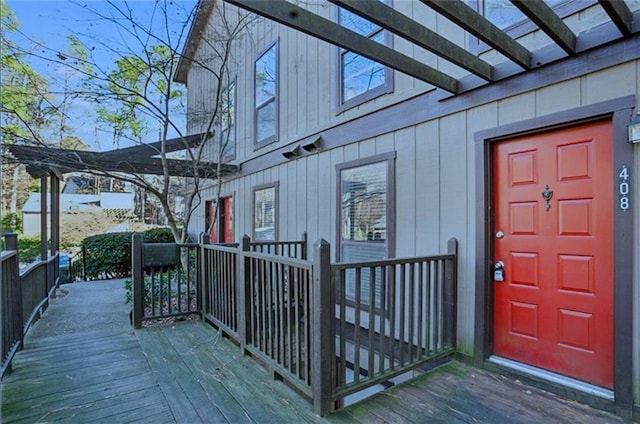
pixel 623 188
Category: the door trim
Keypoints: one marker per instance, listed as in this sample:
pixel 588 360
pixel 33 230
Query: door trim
pixel 619 112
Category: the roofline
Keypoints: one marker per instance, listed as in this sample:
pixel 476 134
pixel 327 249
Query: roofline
pixel 203 11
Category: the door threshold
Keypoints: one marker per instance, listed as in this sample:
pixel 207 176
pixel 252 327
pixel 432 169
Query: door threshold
pixel 553 377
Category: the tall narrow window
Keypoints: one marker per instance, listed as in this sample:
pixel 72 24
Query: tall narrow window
pixel 266 92
pixel 361 79
pixel 227 123
pixel 265 201
pixel 366 205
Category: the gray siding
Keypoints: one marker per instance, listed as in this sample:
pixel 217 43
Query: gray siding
pixel 435 165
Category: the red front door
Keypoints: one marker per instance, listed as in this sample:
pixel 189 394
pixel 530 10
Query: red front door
pixel 226 219
pixel 554 233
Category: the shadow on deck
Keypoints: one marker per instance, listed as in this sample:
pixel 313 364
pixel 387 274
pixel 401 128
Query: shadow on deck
pixel 82 362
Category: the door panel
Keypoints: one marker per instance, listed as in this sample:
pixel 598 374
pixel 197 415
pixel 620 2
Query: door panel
pixel 554 309
pixel 227 219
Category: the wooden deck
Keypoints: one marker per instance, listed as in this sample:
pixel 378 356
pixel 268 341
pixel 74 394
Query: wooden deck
pixel 84 364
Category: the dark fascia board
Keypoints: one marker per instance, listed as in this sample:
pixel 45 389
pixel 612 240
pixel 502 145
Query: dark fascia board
pixel 473 22
pixel 405 27
pixel 203 11
pixel 546 19
pixel 619 13
pixel 302 20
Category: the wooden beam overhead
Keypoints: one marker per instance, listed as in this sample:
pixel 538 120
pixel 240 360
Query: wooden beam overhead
pixel 153 149
pixel 547 20
pixel 41 159
pixel 293 16
pixel 465 17
pixel 405 27
pixel 619 13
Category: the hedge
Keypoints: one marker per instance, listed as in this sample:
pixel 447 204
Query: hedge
pixel 109 255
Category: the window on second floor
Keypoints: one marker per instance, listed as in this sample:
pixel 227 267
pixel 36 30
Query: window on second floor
pixel 228 123
pixel 266 97
pixel 361 79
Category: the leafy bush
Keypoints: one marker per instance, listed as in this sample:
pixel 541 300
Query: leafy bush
pixel 109 255
pixel 158 235
pixel 11 223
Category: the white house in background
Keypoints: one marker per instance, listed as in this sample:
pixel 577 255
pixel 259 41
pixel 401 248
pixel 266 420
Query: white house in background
pixel 501 124
pixel 121 204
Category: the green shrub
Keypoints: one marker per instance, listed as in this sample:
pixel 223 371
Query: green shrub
pixel 158 235
pixel 109 255
pixel 11 223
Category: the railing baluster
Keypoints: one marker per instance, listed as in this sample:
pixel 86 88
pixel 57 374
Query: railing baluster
pixel 382 316
pixel 372 329
pixel 411 300
pixel 419 316
pixel 402 306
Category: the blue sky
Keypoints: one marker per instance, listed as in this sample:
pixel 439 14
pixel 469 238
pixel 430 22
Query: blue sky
pixel 51 21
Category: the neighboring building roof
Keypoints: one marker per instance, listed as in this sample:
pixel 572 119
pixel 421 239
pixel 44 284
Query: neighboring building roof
pixel 82 202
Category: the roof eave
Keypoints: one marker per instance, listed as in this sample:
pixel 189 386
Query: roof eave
pixel 203 11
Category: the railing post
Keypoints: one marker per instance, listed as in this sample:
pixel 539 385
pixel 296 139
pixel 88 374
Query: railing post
pixel 11 241
pixel 202 283
pixel 137 277
pixel 84 263
pixel 15 291
pixel 244 290
pixel 322 329
pixel 450 291
pixel 303 253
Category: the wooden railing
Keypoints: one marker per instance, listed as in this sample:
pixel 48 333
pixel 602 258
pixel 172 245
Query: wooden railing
pixel 391 317
pixel 25 297
pixel 313 323
pixel 165 280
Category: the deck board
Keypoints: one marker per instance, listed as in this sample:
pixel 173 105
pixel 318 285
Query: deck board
pixel 79 366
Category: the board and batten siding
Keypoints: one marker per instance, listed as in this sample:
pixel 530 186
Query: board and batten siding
pixel 435 165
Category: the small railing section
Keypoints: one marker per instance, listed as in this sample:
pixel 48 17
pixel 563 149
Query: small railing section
pixel 391 317
pixel 165 280
pixel 25 297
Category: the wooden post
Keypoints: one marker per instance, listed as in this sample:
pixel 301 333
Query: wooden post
pixel 450 298
pixel 245 303
pixel 15 290
pixel 322 329
pixel 11 241
pixel 303 253
pixel 84 263
pixel 43 219
pixel 202 279
pixel 137 277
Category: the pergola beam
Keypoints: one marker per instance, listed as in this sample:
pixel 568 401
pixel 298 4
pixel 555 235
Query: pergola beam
pixel 154 149
pixel 619 13
pixel 546 19
pixel 465 17
pixel 405 27
pixel 41 159
pixel 293 16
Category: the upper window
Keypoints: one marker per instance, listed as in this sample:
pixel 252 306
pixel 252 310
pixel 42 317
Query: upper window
pixel 266 93
pixel 366 204
pixel 228 122
pixel 361 79
pixel 503 13
pixel 265 201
